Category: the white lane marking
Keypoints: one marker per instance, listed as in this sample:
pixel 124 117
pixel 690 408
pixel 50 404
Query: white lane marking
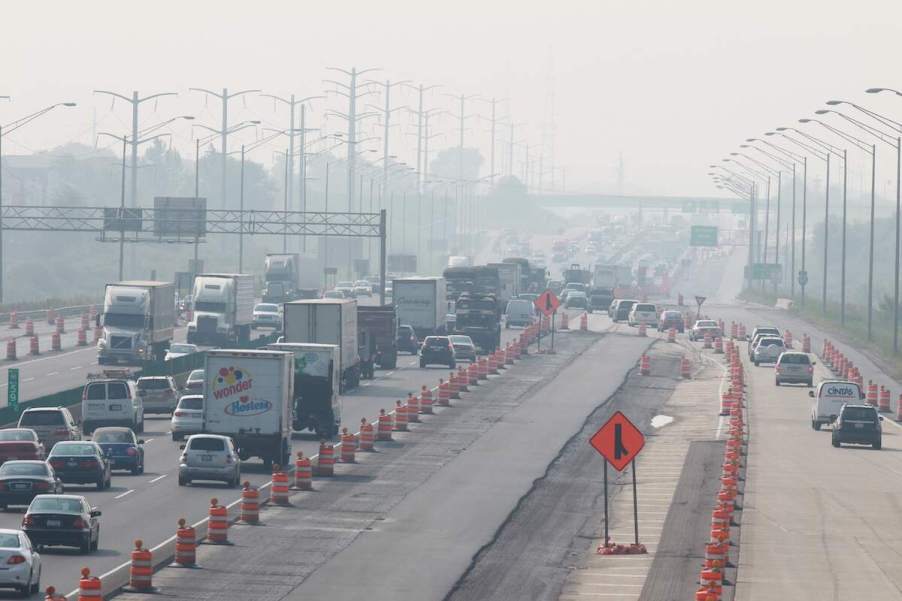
pixel 28 379
pixel 388 373
pixel 56 356
pixel 148 440
pixel 128 492
pixel 53 373
pixel 158 478
pixel 75 368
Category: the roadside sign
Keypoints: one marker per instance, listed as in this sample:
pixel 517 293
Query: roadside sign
pixel 12 389
pixel 618 441
pixel 703 235
pixel 700 299
pixel 547 303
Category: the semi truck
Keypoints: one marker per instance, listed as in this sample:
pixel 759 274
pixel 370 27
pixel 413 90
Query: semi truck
pixel 138 320
pixel 422 304
pixel 317 404
pixel 509 275
pixel 476 316
pixel 223 305
pixel 327 321
pixel 379 324
pixel 281 276
pixel 532 277
pixel 248 395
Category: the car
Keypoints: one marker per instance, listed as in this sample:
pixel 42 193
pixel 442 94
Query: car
pixel 194 384
pixel 600 299
pixel 123 449
pixel 702 327
pixel 757 333
pixel 829 398
pixel 858 424
pixel 51 424
pixel 65 520
pixel 81 462
pixel 643 313
pixel 21 563
pixel 159 394
pixel 111 399
pixel 179 349
pixel 389 289
pixel 671 319
pixel 555 286
pixel 333 294
pixel 406 340
pixel 346 288
pixel 437 350
pixel 767 350
pixel 22 480
pixel 20 443
pixel 621 310
pixel 464 349
pixel 576 298
pixel 519 313
pixel 209 457
pixel 528 296
pixel 363 288
pixel 267 315
pixel 794 367
pixel 188 417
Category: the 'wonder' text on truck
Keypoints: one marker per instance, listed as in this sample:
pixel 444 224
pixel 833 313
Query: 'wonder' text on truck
pixel 249 395
pixel 223 305
pixel 138 321
pixel 327 321
pixel 317 405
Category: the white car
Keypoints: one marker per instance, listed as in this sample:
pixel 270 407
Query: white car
pixel 188 417
pixel 267 315
pixel 346 288
pixel 702 327
pixel 363 288
pixel 22 564
pixel 645 313
pixel 768 350
pixel 179 349
pixel 209 457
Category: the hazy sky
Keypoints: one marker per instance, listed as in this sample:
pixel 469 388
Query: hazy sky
pixel 672 86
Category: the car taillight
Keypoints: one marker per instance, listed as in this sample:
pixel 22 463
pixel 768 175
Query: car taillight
pixel 61 431
pixel 87 463
pixel 179 414
pixel 57 463
pixel 78 523
pixel 27 521
pixel 2 485
pixel 131 451
pixel 15 560
pixel 41 486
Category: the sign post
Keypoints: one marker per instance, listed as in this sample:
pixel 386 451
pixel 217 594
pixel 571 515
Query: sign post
pixel 619 441
pixel 547 304
pixel 12 389
pixel 699 300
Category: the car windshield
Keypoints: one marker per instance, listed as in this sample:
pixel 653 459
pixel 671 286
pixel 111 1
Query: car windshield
pixel 153 383
pixel 10 541
pixel 196 376
pixel 23 468
pixel 18 435
pixel 194 402
pixel 120 436
pixel 267 308
pixel 182 348
pixel 676 315
pixel 859 413
pixel 644 307
pixel 206 444
pixel 437 342
pixel 796 358
pixel 73 449
pixel 50 504
pixel 706 323
pixel 42 418
pixel 461 340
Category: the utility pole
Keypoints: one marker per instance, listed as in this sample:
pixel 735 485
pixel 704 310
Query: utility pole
pixel 462 118
pixel 386 124
pixel 223 132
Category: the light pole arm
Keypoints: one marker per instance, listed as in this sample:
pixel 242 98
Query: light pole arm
pixel 116 94
pixel 140 100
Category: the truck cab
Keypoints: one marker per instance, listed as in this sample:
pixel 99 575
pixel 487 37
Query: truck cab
pixel 223 309
pixel 138 321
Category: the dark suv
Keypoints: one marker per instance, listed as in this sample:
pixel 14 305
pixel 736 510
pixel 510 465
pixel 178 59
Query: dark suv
pixel 437 349
pixel 858 424
pixel 406 340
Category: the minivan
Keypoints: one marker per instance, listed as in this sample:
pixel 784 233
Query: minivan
pixel 51 424
pixel 519 313
pixel 111 402
pixel 829 397
pixel 159 394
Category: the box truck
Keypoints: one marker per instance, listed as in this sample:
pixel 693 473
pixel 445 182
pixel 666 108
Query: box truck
pixel 421 303
pixel 326 321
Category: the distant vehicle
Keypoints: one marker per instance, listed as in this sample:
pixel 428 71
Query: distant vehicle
pixel 22 571
pixel 334 294
pixel 519 313
pixel 528 296
pixel 81 462
pixel 281 275
pixel 158 394
pixel 829 398
pixel 795 368
pixel 600 299
pixel 459 261
pixel 195 382
pixel 20 443
pixel 767 350
pixel 437 349
pixel 378 326
pixel 223 308
pixel 111 400
pixel 464 349
pixel 769 330
pixel 760 333
pixel 21 481
pixel 138 320
pixel 578 299
pixel 671 319
pixel 51 424
pixel 858 424
pixel 555 286
pixel 363 291
pixel 702 327
pixel 209 457
pixel 123 449
pixel 188 417
pixel 643 313
pixel 346 288
pixel 323 321
pixel 363 284
pixel 179 349
pixel 267 315
pixel 621 311
pixel 64 520
pixel 407 340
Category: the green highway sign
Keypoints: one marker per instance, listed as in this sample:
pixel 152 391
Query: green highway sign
pixel 12 389
pixel 764 271
pixel 703 235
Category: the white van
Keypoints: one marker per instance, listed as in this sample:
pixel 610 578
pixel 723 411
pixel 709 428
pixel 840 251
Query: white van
pixel 829 398
pixel 519 313
pixel 109 401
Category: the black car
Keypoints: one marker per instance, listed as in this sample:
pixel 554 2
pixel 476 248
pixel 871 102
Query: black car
pixel 407 340
pixel 122 448
pixel 22 480
pixel 81 462
pixel 671 319
pixel 600 300
pixel 858 424
pixel 65 520
pixel 622 311
pixel 437 350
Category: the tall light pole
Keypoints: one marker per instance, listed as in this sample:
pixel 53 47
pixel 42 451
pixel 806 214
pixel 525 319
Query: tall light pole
pixel 224 131
pixel 386 124
pixel 4 131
